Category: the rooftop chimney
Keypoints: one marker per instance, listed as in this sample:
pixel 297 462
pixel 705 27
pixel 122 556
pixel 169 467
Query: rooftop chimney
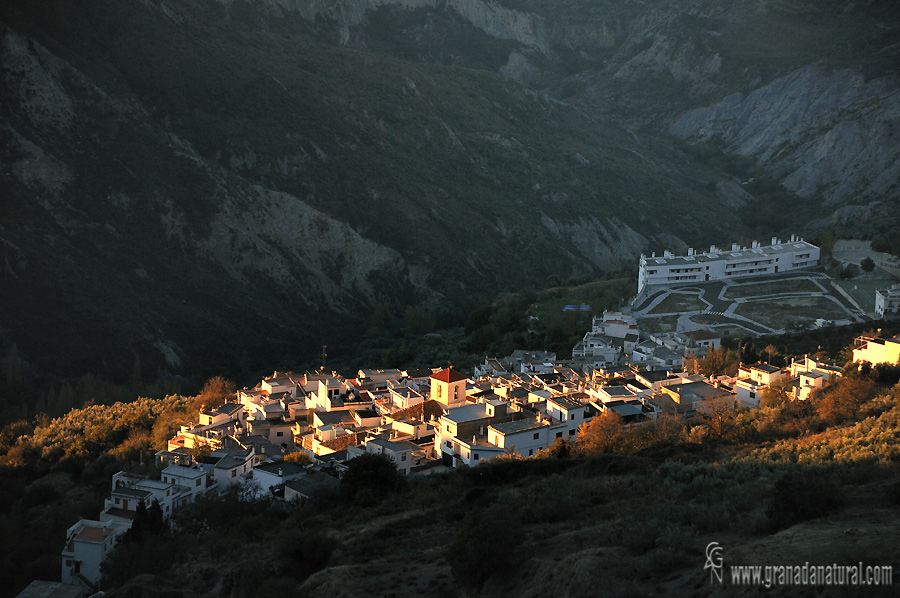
pixel 774 240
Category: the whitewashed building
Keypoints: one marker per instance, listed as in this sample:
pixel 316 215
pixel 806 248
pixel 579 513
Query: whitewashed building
pixel 877 350
pixel 718 264
pixel 87 544
pixel 887 301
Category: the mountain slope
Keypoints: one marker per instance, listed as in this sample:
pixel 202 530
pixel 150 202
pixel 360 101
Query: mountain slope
pixel 173 178
pixel 185 181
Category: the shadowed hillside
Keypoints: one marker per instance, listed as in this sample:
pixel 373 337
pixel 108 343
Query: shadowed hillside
pixel 188 182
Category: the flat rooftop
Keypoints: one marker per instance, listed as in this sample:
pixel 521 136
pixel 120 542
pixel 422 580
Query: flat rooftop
pixel 523 425
pixel 467 413
pixel 722 254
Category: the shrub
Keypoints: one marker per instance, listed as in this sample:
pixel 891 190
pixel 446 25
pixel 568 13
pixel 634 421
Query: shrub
pixel 801 496
pixel 370 477
pixel 485 547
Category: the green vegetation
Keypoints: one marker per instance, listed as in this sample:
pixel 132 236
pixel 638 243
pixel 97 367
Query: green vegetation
pixel 863 290
pixel 655 494
pixel 761 289
pixel 679 302
pixel 55 470
pixel 661 323
pixel 791 312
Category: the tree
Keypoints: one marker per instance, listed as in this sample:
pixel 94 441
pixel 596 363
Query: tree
pixel 771 351
pixel 842 400
pixel 800 496
pixel 298 458
pixel 777 394
pixel 370 477
pixel 474 556
pixel 867 265
pixel 603 434
pixel 719 416
pixel 215 392
pixel 13 367
pixel 719 361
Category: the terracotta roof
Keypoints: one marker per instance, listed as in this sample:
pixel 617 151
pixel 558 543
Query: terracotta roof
pixel 94 534
pixel 448 375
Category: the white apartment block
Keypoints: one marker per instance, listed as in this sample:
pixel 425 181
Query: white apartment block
pixel 887 301
pixel 718 264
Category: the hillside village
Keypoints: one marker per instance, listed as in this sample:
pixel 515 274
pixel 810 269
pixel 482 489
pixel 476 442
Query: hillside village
pixel 291 436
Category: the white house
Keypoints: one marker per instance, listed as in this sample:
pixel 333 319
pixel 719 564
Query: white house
pixel 400 452
pixel 228 467
pixel 303 488
pixel 878 350
pixel 462 428
pixel 87 544
pixel 748 391
pixel 716 264
pixel 225 413
pixel 887 301
pixel 129 490
pixel 269 476
pixel 811 364
pixel 195 479
pixel 403 397
pixel 613 393
pixel 564 409
pixel 525 436
pixel 761 373
pixel 279 382
pixel 703 340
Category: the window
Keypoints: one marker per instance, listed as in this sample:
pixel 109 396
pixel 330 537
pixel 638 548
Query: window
pixel 475 456
pixel 530 452
pixel 198 482
pixel 279 434
pixel 403 457
pixel 234 473
pixel 571 416
pixel 559 434
pixel 537 435
pixel 117 501
pixel 68 562
pixel 449 444
pixel 571 432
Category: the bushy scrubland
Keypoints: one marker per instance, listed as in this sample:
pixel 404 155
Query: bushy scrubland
pixel 653 495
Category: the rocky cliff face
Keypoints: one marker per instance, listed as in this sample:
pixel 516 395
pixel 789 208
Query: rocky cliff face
pixel 174 171
pixel 832 135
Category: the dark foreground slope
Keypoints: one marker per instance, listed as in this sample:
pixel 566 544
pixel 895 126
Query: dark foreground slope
pixel 627 517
